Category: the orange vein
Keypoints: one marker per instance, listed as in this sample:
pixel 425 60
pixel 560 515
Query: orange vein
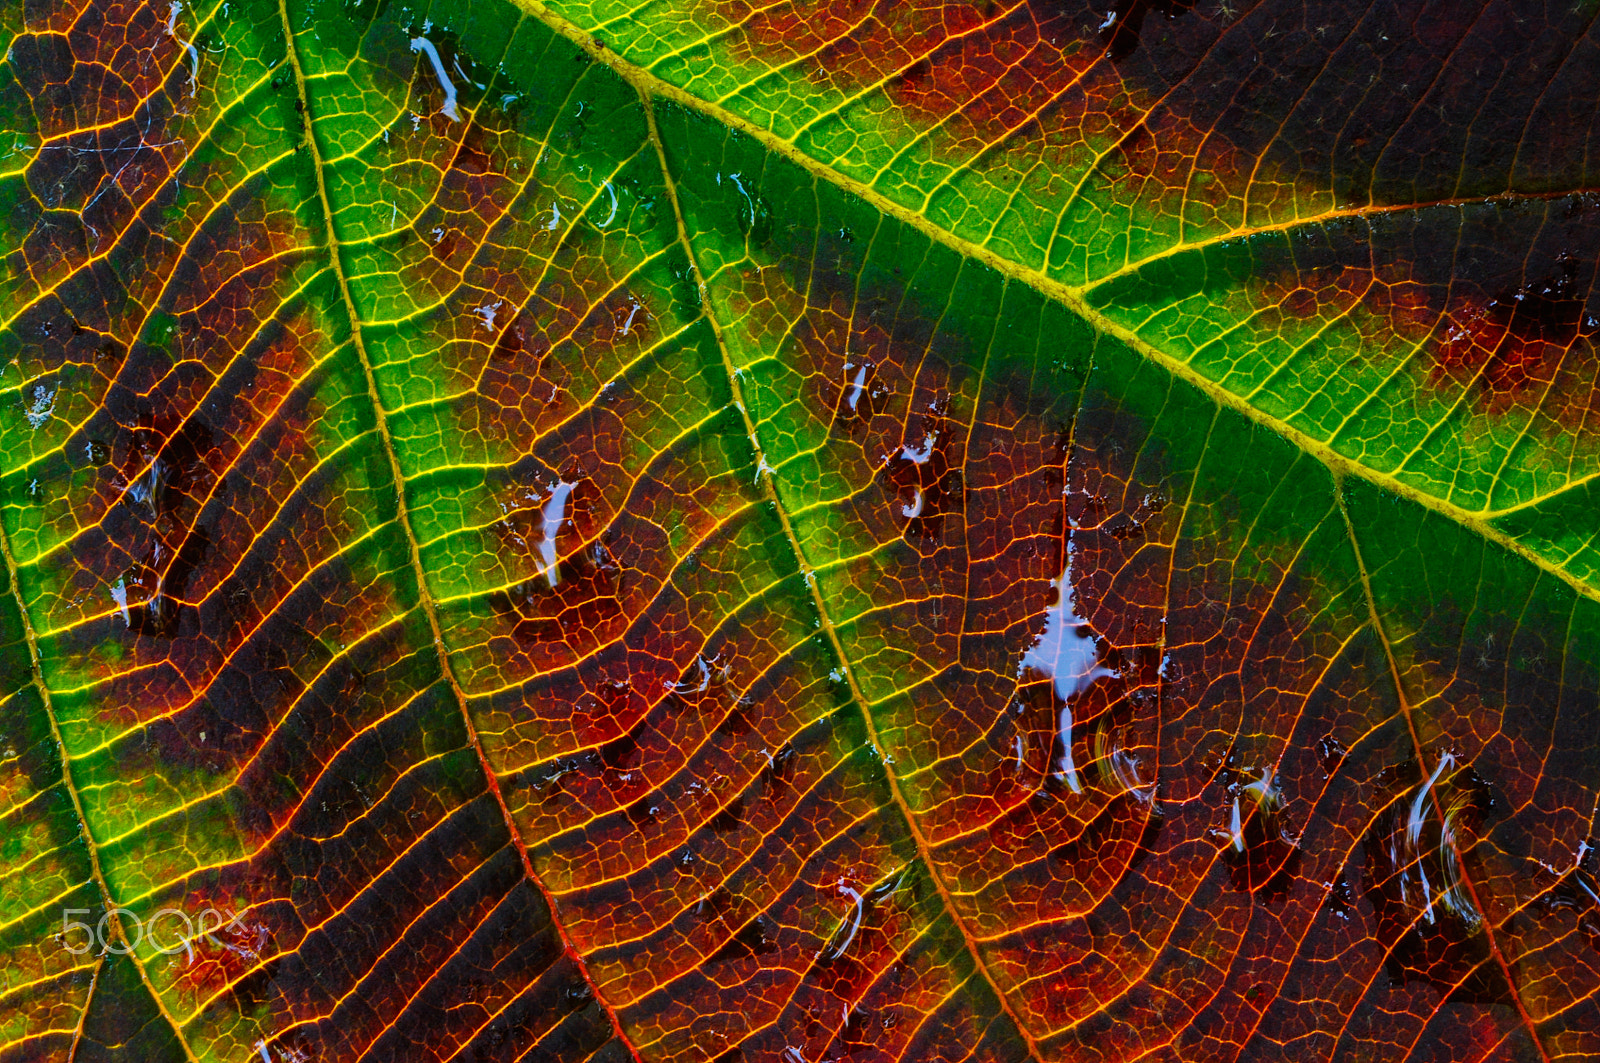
pixel 1074 298
pixel 403 518
pixel 36 667
pixel 1422 759
pixel 765 475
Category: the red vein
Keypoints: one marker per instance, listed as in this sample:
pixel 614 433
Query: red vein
pixel 403 517
pixel 824 620
pixel 36 667
pixel 1422 759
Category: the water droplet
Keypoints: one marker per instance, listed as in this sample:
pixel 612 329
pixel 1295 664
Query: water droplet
pixel 1123 25
pixel 862 394
pixel 576 584
pixel 158 472
pixel 1340 900
pixel 149 592
pixel 553 515
pixel 1118 769
pixel 1417 854
pixel 487 313
pixel 42 406
pixel 704 676
pixel 752 211
pixel 714 906
pixel 924 486
pixel 448 109
pixel 849 926
pixel 1578 890
pixel 1332 753
pixel 444 244
pixel 1067 654
pixel 779 769
pixel 1261 854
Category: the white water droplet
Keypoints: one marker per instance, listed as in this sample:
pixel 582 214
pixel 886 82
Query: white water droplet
pixel 1414 821
pixel 920 454
pixel 44 404
pixel 833 952
pixel 1265 790
pixel 119 594
pixel 422 44
pixel 857 386
pixel 1066 653
pixel 553 513
pixel 486 314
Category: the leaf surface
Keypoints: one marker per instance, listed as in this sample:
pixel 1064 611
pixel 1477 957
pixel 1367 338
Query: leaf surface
pixel 799 532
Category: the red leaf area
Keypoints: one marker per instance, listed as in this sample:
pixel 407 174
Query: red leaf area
pixel 1518 341
pixel 1198 120
pixel 1175 806
pixel 1174 795
pixel 1040 79
pixel 1520 338
pixel 235 590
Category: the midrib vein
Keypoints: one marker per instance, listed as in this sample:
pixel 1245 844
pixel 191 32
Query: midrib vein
pixel 1073 298
pixel 36 670
pixel 1526 1017
pixel 766 476
pixel 403 518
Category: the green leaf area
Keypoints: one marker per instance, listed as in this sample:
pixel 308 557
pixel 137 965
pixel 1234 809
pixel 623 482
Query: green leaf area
pixel 831 530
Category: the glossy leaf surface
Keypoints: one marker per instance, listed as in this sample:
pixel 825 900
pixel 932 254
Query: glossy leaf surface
pixel 801 532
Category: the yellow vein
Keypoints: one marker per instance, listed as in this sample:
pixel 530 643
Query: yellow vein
pixel 77 1034
pixel 765 476
pixel 1422 759
pixel 403 518
pixel 1072 297
pixel 36 667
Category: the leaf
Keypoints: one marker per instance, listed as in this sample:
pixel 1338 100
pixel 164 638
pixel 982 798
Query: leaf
pixel 798 532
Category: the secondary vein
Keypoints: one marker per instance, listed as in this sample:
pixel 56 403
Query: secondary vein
pixel 403 518
pixel 1072 297
pixel 765 475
